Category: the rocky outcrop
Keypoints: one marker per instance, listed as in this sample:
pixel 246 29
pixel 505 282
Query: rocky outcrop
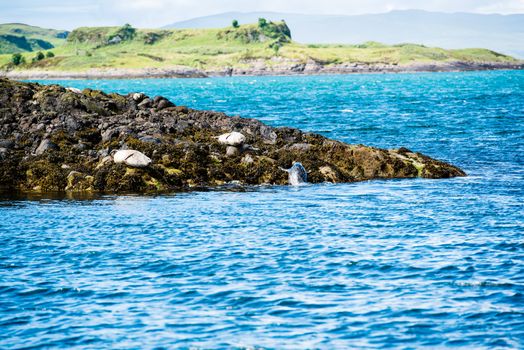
pixel 55 139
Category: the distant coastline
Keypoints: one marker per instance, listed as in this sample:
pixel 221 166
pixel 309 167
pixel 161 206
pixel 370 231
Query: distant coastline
pixel 259 69
pixel 263 48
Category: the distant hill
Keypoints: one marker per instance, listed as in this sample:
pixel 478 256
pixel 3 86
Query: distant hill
pixel 261 48
pixel 502 33
pixel 18 37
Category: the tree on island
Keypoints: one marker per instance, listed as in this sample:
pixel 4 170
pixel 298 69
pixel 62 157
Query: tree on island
pixel 262 22
pixel 235 24
pixel 17 59
pixel 124 33
pixel 39 56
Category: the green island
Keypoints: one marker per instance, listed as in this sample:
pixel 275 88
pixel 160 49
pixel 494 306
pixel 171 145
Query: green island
pixel 263 48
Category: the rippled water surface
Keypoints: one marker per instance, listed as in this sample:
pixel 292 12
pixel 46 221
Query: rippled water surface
pixel 401 263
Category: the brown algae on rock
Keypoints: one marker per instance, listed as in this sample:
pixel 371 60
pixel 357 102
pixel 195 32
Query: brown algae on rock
pixel 81 130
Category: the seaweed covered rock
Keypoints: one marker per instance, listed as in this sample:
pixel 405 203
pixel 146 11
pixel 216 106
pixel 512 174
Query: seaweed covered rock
pixel 58 139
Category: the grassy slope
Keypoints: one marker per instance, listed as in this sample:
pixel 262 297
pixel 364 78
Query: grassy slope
pixel 31 33
pixel 219 48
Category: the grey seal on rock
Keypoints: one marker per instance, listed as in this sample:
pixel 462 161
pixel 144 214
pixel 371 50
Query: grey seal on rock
pixel 232 139
pixel 132 158
pixel 297 174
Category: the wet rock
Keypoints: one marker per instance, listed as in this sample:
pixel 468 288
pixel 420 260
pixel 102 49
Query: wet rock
pixel 7 144
pixel 79 182
pixel 329 174
pixel 146 103
pixel 72 125
pixel 303 147
pixel 109 134
pixel 45 145
pixel 157 99
pixel 104 161
pixel 248 148
pixel 232 151
pixel 268 135
pixel 151 139
pixel 181 109
pixel 164 104
pixel 247 159
pixel 103 153
pixel 79 147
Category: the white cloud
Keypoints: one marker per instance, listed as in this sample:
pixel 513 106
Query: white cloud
pixel 70 9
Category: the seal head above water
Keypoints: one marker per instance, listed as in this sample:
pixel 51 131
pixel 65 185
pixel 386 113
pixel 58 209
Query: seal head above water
pixel 297 174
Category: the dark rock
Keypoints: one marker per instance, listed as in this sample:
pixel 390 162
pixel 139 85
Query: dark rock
pixel 151 139
pixel 248 148
pixel 109 134
pixel 146 103
pixel 79 147
pixel 71 124
pixel 164 104
pixel 181 109
pixel 78 182
pixel 103 153
pixel 232 151
pixel 300 147
pixel 157 99
pixel 7 144
pixel 45 145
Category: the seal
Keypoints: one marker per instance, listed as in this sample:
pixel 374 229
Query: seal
pixel 232 139
pixel 297 174
pixel 132 158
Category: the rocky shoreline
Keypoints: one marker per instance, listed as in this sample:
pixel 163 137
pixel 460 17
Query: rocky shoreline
pixel 56 139
pixel 261 68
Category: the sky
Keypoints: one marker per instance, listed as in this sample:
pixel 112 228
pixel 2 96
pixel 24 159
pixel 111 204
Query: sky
pixel 63 14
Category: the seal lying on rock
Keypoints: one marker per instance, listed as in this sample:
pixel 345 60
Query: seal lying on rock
pixel 132 158
pixel 232 139
pixel 297 174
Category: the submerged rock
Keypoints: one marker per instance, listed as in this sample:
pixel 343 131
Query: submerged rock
pixel 169 147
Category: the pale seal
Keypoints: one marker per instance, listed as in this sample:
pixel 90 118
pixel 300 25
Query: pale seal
pixel 232 139
pixel 132 158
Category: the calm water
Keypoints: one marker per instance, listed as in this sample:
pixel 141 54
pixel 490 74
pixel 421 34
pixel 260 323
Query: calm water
pixel 400 264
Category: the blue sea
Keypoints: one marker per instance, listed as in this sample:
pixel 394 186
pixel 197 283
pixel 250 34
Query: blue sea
pixel 401 264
